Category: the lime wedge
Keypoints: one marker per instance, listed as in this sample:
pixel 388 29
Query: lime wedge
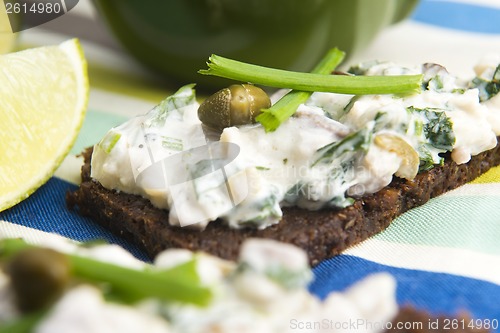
pixel 7 37
pixel 43 98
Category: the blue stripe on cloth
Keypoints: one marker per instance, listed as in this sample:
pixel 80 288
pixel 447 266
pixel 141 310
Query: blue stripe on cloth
pixel 46 210
pixel 438 293
pixel 459 16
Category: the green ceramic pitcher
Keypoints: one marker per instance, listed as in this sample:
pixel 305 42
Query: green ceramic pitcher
pixel 176 37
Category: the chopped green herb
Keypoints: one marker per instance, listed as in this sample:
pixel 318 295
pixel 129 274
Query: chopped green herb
pixel 181 98
pixel 436 83
pixel 487 89
pixel 289 279
pixel 171 143
pixel 419 127
pixel 382 121
pixel 337 159
pixel 427 161
pixel 341 201
pixel 294 192
pixel 438 129
pixel 359 140
pixel 349 106
pixel 267 209
pixel 459 90
pixel 109 141
pixel 204 167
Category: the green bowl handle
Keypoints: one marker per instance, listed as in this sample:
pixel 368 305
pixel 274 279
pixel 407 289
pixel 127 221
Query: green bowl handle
pixel 403 8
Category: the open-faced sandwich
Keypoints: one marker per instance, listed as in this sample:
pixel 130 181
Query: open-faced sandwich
pixel 63 287
pixel 336 172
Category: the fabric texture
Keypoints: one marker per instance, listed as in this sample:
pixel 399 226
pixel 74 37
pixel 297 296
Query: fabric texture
pixel 445 255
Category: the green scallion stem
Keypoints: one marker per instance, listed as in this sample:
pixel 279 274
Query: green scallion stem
pixel 283 109
pixel 176 284
pixel 343 84
pixel 135 285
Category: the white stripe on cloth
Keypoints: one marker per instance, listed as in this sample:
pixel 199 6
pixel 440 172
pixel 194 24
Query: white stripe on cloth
pixel 121 105
pixel 437 259
pixel 411 43
pixel 70 169
pixel 30 235
pixel 486 189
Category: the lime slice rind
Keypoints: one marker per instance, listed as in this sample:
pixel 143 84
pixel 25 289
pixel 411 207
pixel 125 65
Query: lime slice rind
pixel 44 93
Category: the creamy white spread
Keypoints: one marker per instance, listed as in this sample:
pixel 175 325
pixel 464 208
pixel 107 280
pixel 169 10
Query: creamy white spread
pixel 264 291
pixel 335 148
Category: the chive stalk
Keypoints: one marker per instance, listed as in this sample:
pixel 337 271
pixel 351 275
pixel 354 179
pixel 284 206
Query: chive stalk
pixel 283 109
pixel 178 284
pixel 343 84
pixel 133 285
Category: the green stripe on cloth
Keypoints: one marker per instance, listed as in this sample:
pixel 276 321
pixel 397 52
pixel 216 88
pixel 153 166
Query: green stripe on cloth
pixel 95 126
pixel 468 222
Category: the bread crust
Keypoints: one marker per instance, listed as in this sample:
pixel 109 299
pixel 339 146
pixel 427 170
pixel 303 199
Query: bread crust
pixel 322 234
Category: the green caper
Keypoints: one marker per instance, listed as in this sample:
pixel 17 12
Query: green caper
pixel 38 277
pixel 238 104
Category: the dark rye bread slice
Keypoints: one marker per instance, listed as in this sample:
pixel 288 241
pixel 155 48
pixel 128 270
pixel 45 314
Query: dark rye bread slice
pixel 322 234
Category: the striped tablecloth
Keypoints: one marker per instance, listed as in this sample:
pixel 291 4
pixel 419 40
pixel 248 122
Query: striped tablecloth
pixel 445 255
